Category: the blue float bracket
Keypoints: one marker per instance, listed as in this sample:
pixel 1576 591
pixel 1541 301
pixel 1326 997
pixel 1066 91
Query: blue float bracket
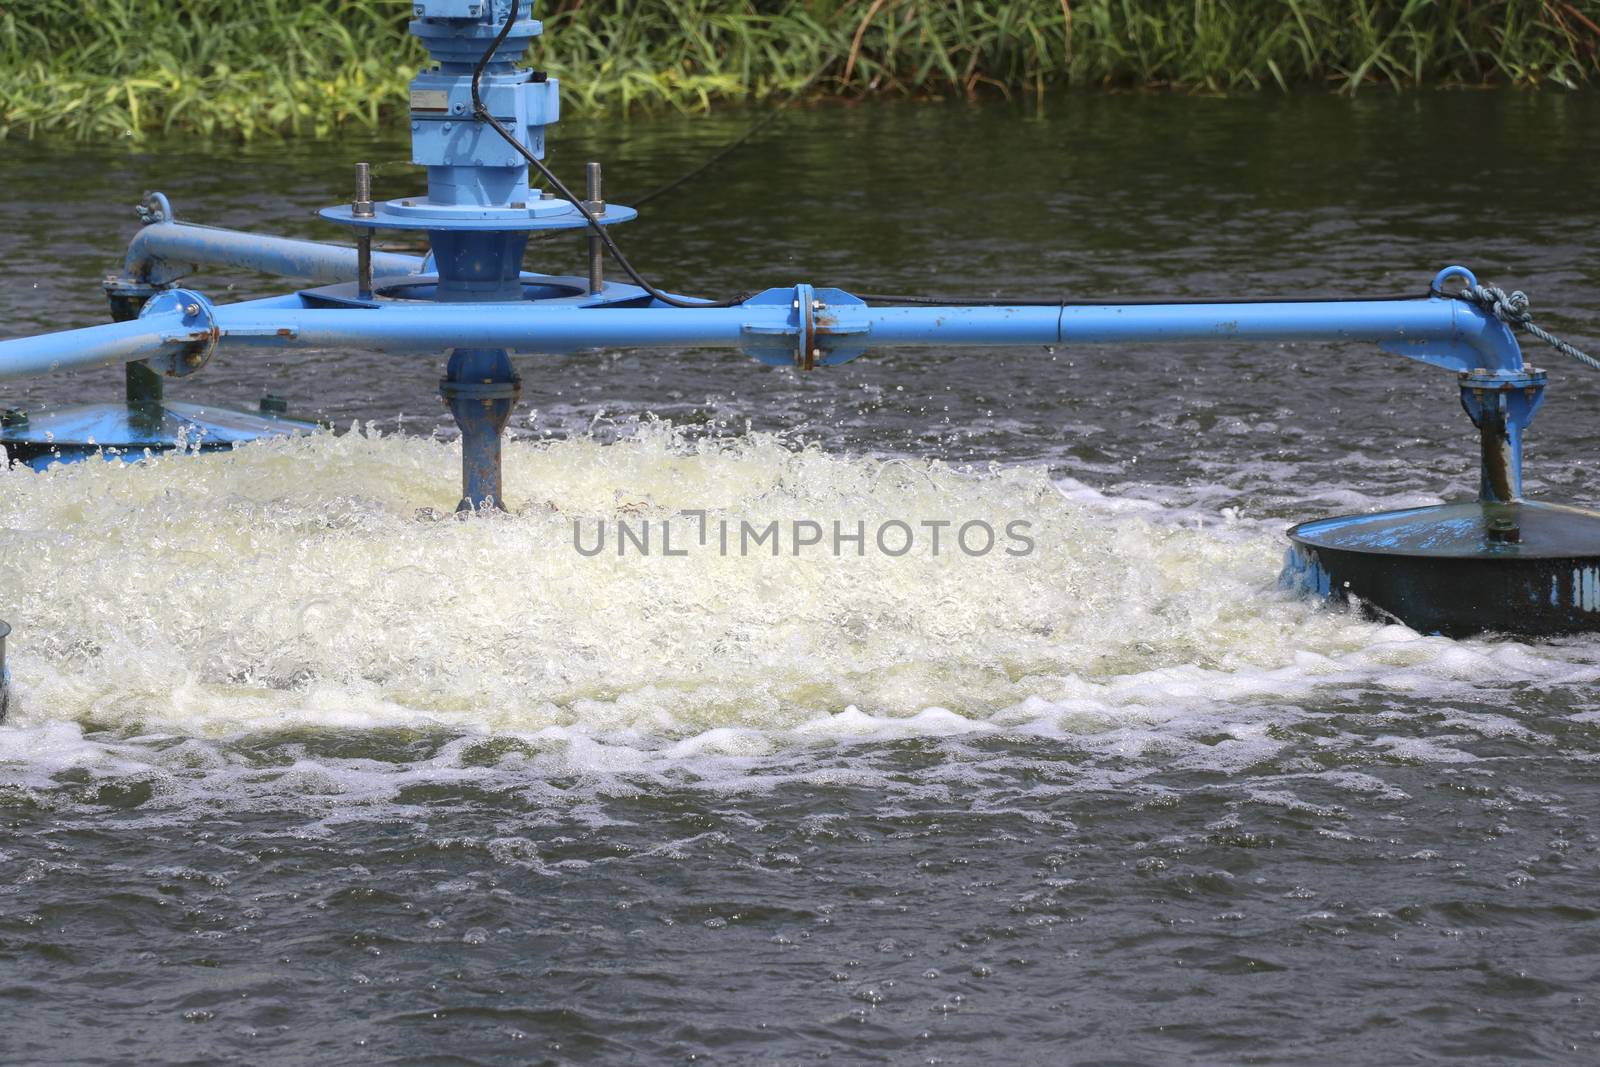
pixel 1501 406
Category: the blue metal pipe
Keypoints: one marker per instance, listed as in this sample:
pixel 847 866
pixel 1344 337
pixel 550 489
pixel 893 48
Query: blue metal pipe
pixel 1419 321
pixel 163 252
pixel 93 346
pixel 427 328
pixel 1433 325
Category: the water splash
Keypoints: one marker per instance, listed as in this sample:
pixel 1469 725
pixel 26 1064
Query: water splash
pixel 320 584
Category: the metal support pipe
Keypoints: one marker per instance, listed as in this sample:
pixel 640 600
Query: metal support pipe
pixel 597 250
pixel 1500 459
pixel 361 208
pixel 145 388
pixel 166 251
pixel 481 389
pixel 5 673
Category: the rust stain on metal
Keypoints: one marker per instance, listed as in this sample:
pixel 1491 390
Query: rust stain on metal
pixel 808 336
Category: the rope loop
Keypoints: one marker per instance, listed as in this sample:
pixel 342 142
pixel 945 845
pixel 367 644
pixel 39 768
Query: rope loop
pixel 1512 309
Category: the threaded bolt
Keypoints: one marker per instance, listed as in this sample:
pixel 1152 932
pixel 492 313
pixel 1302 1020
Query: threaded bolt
pixel 361 207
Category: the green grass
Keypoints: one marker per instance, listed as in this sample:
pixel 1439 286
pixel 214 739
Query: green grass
pixel 245 68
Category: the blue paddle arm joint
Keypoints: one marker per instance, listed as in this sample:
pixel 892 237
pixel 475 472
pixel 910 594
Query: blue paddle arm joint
pixel 166 250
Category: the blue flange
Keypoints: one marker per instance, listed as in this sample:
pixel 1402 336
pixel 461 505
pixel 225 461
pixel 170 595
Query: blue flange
pixel 418 213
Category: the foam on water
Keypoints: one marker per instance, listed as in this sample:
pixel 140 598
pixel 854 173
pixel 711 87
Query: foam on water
pixel 169 609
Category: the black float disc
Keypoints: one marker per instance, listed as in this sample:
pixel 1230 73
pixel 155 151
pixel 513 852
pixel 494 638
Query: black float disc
pixel 1458 569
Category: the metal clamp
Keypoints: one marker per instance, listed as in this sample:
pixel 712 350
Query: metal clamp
pixel 480 390
pixel 1517 395
pixel 824 328
pixel 195 338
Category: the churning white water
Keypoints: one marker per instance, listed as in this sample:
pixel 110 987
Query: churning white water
pixel 324 582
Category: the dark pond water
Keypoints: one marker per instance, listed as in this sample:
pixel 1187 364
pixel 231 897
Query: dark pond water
pixel 302 776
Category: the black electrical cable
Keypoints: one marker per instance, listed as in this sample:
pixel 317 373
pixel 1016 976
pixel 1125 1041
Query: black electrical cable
pixel 482 113
pixel 738 142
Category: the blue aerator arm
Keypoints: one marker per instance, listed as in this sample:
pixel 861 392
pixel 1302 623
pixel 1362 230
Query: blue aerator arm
pixel 179 330
pixel 799 325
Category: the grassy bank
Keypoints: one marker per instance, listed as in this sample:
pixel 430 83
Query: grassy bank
pixel 121 68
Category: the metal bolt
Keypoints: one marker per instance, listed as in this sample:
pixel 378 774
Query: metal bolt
pixel 191 310
pixel 361 206
pixel 1504 530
